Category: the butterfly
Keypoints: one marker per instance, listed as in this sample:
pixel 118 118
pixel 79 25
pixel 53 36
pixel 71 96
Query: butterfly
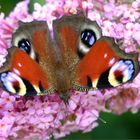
pixel 76 56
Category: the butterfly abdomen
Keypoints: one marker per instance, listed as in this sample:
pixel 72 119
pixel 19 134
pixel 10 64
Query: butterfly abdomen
pixel 63 83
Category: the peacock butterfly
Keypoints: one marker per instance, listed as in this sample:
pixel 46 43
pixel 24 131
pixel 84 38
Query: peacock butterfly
pixel 78 56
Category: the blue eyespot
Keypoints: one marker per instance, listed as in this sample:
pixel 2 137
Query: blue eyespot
pixel 25 45
pixel 88 37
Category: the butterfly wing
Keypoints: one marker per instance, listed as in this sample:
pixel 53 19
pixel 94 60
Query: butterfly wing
pixel 105 65
pixel 28 67
pixel 93 61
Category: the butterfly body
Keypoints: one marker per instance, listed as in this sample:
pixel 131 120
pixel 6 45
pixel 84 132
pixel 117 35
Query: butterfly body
pixel 78 57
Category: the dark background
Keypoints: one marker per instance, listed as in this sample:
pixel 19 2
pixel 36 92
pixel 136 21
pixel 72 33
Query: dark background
pixel 117 127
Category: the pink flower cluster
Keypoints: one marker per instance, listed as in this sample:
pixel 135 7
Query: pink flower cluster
pixel 47 116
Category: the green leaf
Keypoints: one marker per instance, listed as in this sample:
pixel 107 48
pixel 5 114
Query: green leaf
pixel 6 6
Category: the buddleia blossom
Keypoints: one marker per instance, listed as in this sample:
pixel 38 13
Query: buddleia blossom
pixel 43 117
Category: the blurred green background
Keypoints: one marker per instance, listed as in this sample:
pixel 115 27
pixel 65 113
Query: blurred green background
pixel 126 126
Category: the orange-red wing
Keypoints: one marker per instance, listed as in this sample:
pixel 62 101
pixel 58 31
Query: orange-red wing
pixel 41 47
pixel 92 60
pixel 23 75
pixel 105 65
pixel 35 54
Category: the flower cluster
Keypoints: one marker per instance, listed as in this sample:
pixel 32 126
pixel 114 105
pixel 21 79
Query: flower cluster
pixel 43 117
